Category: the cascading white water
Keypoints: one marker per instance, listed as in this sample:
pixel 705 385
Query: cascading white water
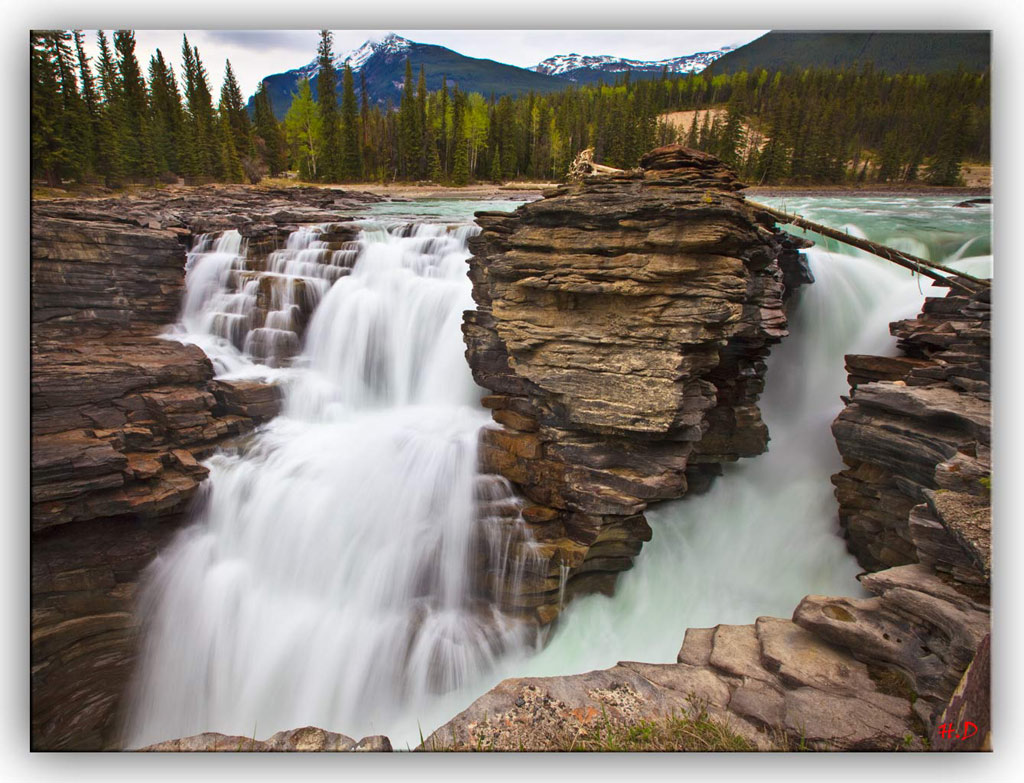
pixel 328 578
pixel 248 315
pixel 766 534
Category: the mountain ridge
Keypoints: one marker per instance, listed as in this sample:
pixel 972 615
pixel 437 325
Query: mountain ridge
pixel 585 68
pixel 893 51
pixel 383 64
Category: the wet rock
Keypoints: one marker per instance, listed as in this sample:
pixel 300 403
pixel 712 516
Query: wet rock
pixel 121 422
pixel 916 425
pixel 621 328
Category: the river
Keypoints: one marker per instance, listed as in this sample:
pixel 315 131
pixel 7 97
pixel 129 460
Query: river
pixel 326 578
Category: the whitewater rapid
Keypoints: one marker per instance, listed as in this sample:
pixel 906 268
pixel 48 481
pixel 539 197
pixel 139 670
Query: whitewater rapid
pixel 328 576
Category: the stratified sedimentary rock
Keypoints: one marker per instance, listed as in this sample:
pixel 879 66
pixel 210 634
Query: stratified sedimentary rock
pixel 916 438
pixel 121 420
pixel 893 671
pixel 306 740
pixel 622 326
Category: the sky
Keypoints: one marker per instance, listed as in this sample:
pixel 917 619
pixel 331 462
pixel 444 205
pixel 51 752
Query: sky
pixel 255 54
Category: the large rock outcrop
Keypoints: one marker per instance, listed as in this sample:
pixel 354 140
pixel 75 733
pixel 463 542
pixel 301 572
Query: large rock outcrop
pixel 907 668
pixel 621 327
pixel 916 437
pixel 121 420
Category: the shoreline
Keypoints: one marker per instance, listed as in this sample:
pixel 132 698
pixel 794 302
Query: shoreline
pixel 513 191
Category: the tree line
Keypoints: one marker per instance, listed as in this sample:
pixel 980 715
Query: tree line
pixel 108 122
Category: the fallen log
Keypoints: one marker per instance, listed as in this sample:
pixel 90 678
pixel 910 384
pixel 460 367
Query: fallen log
pixel 929 269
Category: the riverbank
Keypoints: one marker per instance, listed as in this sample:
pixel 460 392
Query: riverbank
pixel 978 186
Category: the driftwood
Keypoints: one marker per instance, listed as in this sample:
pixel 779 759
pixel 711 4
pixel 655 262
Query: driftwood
pixel 584 165
pixel 929 269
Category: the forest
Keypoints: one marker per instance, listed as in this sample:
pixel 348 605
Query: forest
pixel 108 122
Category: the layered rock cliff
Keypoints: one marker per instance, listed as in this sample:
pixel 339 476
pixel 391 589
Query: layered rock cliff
pixel 121 420
pixel 621 328
pixel 916 437
pixel 885 672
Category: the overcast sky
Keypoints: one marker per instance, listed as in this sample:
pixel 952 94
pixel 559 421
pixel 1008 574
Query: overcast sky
pixel 255 54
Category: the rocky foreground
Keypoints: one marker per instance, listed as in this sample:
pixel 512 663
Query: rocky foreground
pixel 622 327
pixel 120 422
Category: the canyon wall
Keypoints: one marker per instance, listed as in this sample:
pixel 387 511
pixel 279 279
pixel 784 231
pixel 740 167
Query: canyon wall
pixel 120 421
pixel 621 327
pixel 906 668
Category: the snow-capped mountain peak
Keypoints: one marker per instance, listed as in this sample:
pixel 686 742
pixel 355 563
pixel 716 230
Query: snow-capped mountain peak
pixel 390 44
pixel 566 65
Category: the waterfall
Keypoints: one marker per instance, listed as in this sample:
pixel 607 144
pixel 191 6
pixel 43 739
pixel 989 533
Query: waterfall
pixel 766 534
pixel 330 577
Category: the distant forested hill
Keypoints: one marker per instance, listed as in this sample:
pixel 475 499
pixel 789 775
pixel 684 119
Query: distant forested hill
pixel 893 52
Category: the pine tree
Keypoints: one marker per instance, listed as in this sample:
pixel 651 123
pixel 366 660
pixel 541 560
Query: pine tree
pixel 231 163
pixel 443 140
pixel 302 127
pixel 167 113
pixel 90 104
pixel 47 148
pixel 351 159
pixel 203 145
pixel 364 125
pixel 460 167
pixel 408 139
pixel 137 149
pixel 422 140
pixel 232 107
pixel 112 127
pixel 327 103
pixel 73 124
pixel 271 141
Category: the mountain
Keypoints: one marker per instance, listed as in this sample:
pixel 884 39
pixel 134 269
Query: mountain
pixel 592 68
pixel 893 52
pixel 383 64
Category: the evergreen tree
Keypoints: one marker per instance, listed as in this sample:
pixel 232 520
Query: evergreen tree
pixel 364 125
pixel 91 106
pixel 232 108
pixel 408 138
pixel 48 151
pixel 73 124
pixel 302 127
pixel 268 133
pixel 422 134
pixel 351 159
pixel 231 163
pixel 167 114
pixel 137 143
pixel 461 165
pixel 944 166
pixel 443 135
pixel 203 148
pixel 330 166
pixel 110 128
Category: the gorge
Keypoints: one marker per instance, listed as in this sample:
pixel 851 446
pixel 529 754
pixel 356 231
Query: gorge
pixel 364 525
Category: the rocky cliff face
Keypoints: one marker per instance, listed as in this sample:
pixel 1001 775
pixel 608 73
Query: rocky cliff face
pixel 916 438
pixel 621 327
pixel 878 673
pixel 120 422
